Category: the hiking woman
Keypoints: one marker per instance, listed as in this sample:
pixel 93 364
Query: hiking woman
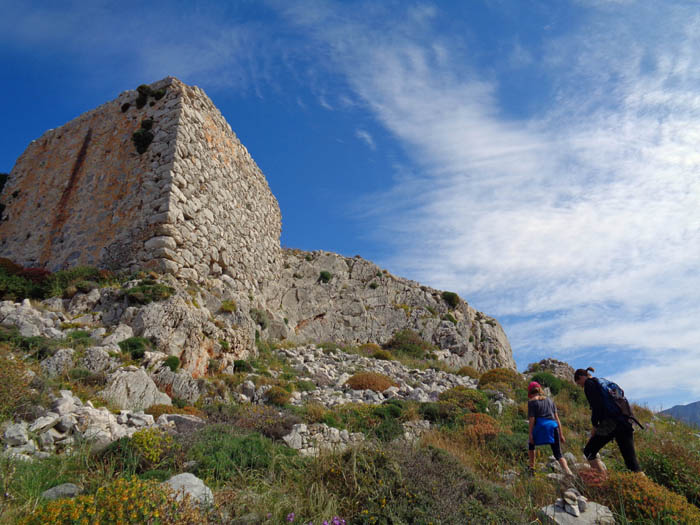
pixel 606 426
pixel 545 427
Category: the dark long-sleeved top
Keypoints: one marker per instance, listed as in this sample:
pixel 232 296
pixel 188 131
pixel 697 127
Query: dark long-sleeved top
pixel 595 400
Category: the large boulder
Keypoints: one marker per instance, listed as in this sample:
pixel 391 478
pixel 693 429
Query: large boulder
pixel 187 484
pixel 178 384
pixel 59 363
pixel 130 388
pixel 180 328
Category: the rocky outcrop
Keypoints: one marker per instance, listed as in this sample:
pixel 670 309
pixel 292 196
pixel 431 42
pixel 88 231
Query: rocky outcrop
pixel 555 367
pixel 323 296
pixel 131 388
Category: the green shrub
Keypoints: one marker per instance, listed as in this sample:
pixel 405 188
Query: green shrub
pixel 449 317
pixel 674 466
pixel 441 413
pixel 373 285
pixel 642 499
pixel 511 447
pixel 546 379
pixel 142 138
pixel 149 292
pixel 501 375
pixel 451 298
pixel 15 391
pixel 469 371
pixel 86 377
pixel 136 346
pixel 277 396
pixel 369 348
pixel 228 306
pixel 239 365
pixel 408 343
pixel 124 501
pixel 152 444
pixel 221 454
pixel 383 355
pixel 304 385
pixel 325 276
pixel 465 398
pixel 260 317
pixel 172 362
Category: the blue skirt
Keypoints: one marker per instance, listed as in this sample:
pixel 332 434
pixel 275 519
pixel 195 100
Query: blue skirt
pixel 543 431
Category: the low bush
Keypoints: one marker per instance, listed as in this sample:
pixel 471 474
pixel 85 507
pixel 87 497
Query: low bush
pixel 642 499
pixel 501 375
pixel 465 398
pixel 136 346
pixel 277 396
pixel 383 355
pixel 511 447
pixel 479 428
pixel 239 365
pixel 370 381
pixel 260 317
pixel 325 276
pixel 408 343
pixel 267 420
pixel 125 501
pixel 228 306
pixel 440 413
pixel 369 348
pixel 221 453
pixel 304 385
pixel 15 391
pixel 451 298
pixel 149 292
pixel 548 380
pixel 87 377
pixel 469 371
pixel 152 444
pixel 172 362
pixel 449 317
pixel 674 466
pixel 158 410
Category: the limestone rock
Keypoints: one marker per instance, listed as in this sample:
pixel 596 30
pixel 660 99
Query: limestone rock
pixel 121 332
pixel 180 384
pixel 16 435
pixel 97 359
pixel 131 388
pixel 190 485
pixel 65 490
pixel 58 363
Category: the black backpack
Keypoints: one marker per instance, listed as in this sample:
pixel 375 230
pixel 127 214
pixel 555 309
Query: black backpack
pixel 614 400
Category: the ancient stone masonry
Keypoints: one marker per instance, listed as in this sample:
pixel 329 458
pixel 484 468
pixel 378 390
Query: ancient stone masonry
pixel 194 203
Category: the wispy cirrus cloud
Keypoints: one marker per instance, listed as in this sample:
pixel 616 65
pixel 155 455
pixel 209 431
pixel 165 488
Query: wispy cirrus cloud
pixel 579 223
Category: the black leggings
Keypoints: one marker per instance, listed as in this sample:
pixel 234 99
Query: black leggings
pixel 556 446
pixel 624 435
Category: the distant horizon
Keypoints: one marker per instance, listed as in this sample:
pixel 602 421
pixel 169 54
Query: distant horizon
pixel 539 160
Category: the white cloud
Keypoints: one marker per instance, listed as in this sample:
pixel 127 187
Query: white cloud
pixel 365 137
pixel 581 223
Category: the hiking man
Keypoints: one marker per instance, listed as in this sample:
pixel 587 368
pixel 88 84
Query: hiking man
pixel 611 418
pixel 545 427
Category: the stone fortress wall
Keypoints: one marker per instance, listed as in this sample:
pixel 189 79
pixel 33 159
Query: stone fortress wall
pixel 194 203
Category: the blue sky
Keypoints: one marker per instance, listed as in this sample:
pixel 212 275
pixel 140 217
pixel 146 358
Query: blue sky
pixel 540 158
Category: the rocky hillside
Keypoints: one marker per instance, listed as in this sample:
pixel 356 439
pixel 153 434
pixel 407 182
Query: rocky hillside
pixel 97 420
pixel 689 413
pixel 322 296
